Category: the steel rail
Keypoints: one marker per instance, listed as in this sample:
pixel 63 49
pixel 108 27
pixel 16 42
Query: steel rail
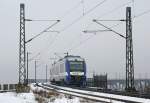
pixel 96 96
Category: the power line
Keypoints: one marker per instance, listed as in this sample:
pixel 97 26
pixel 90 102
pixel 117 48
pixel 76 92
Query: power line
pixel 79 18
pixel 111 20
pixel 45 30
pixel 95 31
pixel 38 20
pixel 115 9
pixel 44 50
pixel 82 42
pixel 141 14
pixel 95 6
pixel 48 46
pixel 90 10
pixel 109 12
pixel 65 14
pixel 73 8
pixel 109 28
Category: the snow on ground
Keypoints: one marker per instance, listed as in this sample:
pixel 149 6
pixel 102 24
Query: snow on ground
pixel 65 100
pixel 114 96
pixel 62 99
pixel 10 97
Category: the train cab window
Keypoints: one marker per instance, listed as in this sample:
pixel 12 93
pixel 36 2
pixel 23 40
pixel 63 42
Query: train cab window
pixel 76 66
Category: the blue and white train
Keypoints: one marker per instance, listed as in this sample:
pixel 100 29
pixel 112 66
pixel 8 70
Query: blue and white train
pixel 70 70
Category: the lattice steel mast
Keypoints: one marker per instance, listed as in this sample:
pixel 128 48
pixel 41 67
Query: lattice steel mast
pixel 22 49
pixel 129 48
pixel 129 52
pixel 23 42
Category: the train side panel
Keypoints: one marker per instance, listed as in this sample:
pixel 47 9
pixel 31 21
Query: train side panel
pixel 58 72
pixel 67 81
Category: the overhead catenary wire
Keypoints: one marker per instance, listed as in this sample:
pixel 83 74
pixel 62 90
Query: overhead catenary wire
pixel 107 13
pixel 93 9
pixel 70 10
pixel 63 16
pixel 110 12
pixel 115 9
pixel 104 14
pixel 95 31
pixel 90 10
pixel 90 37
pixel 80 43
pixel 38 20
pixel 86 13
pixel 141 14
pixel 80 17
pixel 45 30
pixel 111 20
pixel 50 43
pixel 109 28
pixel 136 16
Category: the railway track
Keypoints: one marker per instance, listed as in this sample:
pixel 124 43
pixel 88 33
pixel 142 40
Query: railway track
pixel 123 93
pixel 92 95
pixel 2 91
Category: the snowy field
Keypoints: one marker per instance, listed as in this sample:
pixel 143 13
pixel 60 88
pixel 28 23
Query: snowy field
pixel 40 95
pixel 10 97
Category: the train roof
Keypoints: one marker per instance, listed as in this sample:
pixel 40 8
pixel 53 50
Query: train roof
pixel 70 58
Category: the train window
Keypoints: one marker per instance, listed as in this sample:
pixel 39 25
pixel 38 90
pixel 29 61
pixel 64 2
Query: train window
pixel 76 66
pixel 61 68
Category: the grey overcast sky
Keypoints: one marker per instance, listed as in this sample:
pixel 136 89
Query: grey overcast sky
pixel 103 52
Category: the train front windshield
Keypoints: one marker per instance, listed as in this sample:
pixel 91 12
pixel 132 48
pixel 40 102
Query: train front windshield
pixel 76 66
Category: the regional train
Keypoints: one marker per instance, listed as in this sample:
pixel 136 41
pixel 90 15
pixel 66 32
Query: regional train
pixel 70 70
